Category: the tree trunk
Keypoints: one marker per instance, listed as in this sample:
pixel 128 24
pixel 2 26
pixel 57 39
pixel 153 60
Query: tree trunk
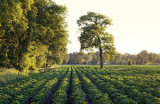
pixel 101 57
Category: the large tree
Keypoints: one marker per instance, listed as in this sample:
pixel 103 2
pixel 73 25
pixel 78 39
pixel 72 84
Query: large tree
pixel 32 32
pixel 93 34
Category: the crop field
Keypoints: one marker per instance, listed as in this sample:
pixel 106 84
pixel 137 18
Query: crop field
pixel 85 85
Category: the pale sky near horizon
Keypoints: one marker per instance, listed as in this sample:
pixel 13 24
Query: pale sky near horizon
pixel 136 23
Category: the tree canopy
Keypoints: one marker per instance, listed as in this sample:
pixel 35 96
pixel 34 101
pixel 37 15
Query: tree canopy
pixel 93 28
pixel 32 32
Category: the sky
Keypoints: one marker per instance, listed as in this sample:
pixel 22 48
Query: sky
pixel 136 23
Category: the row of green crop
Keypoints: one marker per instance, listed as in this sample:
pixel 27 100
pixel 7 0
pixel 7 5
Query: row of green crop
pixel 146 83
pixel 51 84
pixel 115 94
pixel 83 85
pixel 145 78
pixel 95 96
pixel 60 96
pixel 106 83
pixel 24 89
pixel 11 91
pixel 78 96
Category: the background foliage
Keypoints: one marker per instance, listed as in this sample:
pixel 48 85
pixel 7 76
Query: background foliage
pixel 142 58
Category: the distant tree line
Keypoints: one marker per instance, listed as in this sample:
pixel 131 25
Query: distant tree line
pixel 32 33
pixel 142 58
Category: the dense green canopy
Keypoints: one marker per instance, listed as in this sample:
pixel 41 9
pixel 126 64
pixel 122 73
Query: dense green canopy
pixel 93 35
pixel 32 32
